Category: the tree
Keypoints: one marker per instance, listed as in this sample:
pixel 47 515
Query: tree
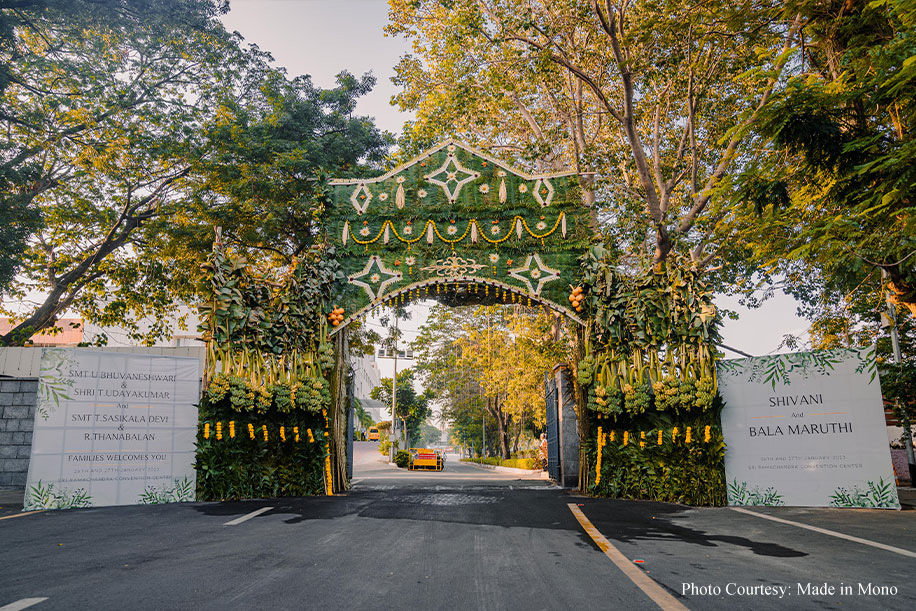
pixel 362 416
pixel 829 204
pixel 490 359
pixel 145 130
pixel 429 435
pixel 56 98
pixel 657 98
pixel 413 407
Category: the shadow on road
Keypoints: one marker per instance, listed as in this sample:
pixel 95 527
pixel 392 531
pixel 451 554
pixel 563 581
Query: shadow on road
pixel 629 521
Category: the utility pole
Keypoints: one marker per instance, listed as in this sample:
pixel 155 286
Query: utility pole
pixel 895 344
pixel 483 434
pixel 394 390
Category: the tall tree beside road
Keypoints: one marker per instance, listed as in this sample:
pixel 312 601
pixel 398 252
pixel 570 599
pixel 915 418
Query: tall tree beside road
pixel 100 101
pixel 830 202
pixel 657 98
pixel 490 359
pixel 412 406
pixel 139 126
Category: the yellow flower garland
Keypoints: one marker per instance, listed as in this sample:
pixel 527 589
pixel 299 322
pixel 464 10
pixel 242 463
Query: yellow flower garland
pixel 480 232
pixel 598 465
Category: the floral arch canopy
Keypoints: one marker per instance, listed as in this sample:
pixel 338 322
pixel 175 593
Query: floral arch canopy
pixel 457 225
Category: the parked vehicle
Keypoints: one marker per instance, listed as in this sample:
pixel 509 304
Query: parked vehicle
pixel 373 433
pixel 426 459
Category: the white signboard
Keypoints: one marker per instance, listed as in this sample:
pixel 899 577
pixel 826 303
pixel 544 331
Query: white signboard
pixel 113 428
pixel 806 429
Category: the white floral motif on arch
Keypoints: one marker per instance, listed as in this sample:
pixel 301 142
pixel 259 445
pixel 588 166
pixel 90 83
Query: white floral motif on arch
pixel 453 266
pixel 539 273
pixel 451 176
pixel 390 277
pixel 354 198
pixel 548 197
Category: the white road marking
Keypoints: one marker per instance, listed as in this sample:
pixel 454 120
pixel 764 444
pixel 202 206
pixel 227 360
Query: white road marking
pixel 248 516
pixel 659 596
pixel 832 533
pixel 23 604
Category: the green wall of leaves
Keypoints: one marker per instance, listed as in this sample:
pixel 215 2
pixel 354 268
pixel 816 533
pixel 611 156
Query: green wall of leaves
pixel 496 198
pixel 241 467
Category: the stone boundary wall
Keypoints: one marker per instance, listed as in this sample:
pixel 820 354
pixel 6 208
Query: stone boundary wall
pixel 17 417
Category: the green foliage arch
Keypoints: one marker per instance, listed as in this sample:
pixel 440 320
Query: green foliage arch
pixel 460 226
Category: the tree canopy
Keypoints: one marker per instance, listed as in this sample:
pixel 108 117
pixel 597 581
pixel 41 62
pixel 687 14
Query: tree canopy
pixel 133 128
pixel 490 359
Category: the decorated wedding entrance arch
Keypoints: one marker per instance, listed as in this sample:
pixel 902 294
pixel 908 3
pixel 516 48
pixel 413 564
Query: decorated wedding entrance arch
pixel 460 226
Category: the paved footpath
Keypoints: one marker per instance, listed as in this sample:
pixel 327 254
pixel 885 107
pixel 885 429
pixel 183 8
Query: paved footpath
pixel 466 538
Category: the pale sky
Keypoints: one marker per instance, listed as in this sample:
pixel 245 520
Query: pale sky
pixel 323 37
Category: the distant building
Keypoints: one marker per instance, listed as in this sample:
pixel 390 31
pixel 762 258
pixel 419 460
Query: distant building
pixel 366 376
pixel 67 332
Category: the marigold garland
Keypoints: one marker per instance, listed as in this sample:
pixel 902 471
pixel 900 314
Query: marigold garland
pixel 473 222
pixel 207 431
pixel 219 431
pixel 598 465
pixel 603 438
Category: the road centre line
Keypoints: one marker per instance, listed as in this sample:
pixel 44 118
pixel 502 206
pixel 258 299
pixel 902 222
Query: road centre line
pixel 247 516
pixel 832 533
pixel 22 603
pixel 650 587
pixel 19 515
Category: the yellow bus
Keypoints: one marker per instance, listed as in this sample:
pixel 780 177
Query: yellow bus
pixel 373 433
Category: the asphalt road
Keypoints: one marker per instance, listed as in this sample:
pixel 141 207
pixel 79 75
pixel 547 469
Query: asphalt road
pixel 466 538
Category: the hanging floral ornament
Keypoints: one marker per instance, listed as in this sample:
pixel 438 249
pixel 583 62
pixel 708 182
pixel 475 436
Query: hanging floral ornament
pixel 429 233
pixel 386 236
pixel 563 224
pixel 399 196
pixel 473 232
pixel 502 187
pixel 518 228
pixel 346 233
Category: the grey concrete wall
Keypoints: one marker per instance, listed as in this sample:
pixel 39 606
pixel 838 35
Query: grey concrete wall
pixel 568 428
pixel 17 416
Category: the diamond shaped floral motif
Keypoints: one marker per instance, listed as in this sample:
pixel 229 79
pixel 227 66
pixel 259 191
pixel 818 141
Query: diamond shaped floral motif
pixel 452 176
pixel 534 271
pixel 375 278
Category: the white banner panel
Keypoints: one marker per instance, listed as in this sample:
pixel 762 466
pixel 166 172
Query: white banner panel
pixel 806 429
pixel 113 428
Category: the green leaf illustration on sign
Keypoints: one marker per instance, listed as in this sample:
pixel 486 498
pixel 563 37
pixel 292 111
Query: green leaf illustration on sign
pixel 180 491
pixel 779 368
pixel 881 495
pixel 740 494
pixel 46 497
pixel 53 383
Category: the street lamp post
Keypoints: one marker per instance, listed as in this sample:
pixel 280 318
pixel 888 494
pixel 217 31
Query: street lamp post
pixel 394 391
